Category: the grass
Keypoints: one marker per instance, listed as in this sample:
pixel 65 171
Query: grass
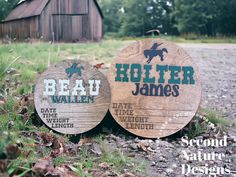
pixel 116 159
pixel 211 117
pixel 34 58
pixel 196 129
pixel 216 119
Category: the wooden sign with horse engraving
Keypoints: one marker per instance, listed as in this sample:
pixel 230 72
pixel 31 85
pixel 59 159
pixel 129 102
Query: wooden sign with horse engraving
pixel 72 97
pixel 155 88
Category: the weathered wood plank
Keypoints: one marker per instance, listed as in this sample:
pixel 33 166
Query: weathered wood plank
pixel 76 113
pixel 148 103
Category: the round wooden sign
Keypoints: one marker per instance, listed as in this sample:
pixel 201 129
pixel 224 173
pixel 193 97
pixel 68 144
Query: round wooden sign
pixel 155 88
pixel 72 97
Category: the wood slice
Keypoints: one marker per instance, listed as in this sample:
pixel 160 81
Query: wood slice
pixel 69 107
pixel 155 88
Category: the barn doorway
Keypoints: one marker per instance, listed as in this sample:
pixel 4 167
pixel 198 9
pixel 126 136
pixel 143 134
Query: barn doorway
pixel 67 28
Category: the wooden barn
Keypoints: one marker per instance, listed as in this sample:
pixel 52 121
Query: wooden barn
pixel 58 20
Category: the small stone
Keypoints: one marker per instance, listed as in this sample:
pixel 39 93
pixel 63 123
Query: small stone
pixel 162 159
pixel 10 124
pixel 134 146
pixel 136 140
pixel 169 170
pixel 174 165
pixel 96 149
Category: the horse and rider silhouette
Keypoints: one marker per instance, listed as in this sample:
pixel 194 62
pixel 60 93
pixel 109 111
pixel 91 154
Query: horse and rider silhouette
pixel 153 52
pixel 73 70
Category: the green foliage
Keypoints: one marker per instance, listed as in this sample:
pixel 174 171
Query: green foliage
pixel 195 16
pixel 196 129
pixel 59 160
pixel 6 6
pixel 136 17
pixel 78 170
pixel 214 118
pixel 112 11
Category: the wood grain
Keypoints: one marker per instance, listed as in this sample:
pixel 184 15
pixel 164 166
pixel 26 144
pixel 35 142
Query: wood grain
pixel 155 116
pixel 83 116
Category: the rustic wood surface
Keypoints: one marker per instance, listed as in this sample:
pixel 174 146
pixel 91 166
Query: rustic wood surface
pixel 83 116
pixel 158 116
pixel 74 21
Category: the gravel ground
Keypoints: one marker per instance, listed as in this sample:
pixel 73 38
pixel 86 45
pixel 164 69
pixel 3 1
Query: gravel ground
pixel 217 65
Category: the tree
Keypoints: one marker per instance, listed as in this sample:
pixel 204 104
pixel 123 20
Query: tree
pixel 136 17
pixel 226 21
pixel 141 16
pixel 6 6
pixel 112 11
pixel 195 16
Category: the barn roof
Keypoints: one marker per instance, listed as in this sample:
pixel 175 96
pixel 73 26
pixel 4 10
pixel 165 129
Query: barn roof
pixel 99 9
pixel 26 9
pixel 30 8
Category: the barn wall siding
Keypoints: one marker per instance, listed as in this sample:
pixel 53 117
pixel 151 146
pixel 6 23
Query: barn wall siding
pixel 20 29
pixel 1 31
pixel 45 29
pixel 59 27
pixel 96 23
pixel 72 6
pixel 60 20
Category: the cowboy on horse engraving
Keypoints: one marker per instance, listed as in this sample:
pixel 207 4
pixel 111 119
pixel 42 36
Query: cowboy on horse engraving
pixel 153 52
pixel 73 70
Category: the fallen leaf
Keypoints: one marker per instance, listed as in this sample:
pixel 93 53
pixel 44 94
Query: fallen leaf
pixel 85 140
pixel 57 146
pixel 150 149
pixel 27 100
pixel 26 154
pixel 43 166
pixel 98 66
pixel 3 166
pixel 12 151
pixel 47 139
pixel 58 143
pixel 142 147
pixel 127 175
pixel 104 165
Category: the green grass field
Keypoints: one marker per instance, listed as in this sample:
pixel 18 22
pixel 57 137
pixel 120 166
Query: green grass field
pixel 32 59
